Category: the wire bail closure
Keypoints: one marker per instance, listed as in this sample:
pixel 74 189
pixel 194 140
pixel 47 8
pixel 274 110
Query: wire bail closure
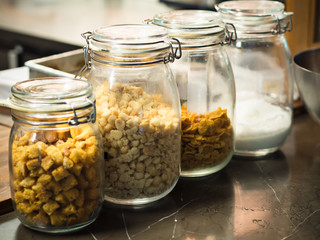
pixel 88 118
pixel 230 36
pixel 287 28
pixel 86 53
pixel 173 54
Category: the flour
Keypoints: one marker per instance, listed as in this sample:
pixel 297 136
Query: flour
pixel 260 125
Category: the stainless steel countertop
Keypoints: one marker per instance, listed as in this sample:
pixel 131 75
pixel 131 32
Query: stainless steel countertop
pixel 64 21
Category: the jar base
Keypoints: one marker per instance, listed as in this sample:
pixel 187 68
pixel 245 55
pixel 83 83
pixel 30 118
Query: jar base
pixel 206 171
pixel 59 230
pixel 139 201
pixel 255 154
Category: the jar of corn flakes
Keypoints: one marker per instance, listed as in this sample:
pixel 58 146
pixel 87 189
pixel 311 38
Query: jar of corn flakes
pixel 55 156
pixel 206 85
pixel 138 110
pixel 262 66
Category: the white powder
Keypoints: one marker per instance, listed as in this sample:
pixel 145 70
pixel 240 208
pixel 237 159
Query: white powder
pixel 260 125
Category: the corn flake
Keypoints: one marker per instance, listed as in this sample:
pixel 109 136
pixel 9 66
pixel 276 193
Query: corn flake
pixel 207 139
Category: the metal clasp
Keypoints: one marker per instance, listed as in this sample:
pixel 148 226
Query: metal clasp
pixel 287 28
pixel 88 118
pixel 230 36
pixel 173 52
pixel 86 53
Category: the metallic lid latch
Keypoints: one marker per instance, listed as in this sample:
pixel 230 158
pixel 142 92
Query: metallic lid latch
pixel 173 52
pixel 87 64
pixel 287 28
pixel 88 118
pixel 230 36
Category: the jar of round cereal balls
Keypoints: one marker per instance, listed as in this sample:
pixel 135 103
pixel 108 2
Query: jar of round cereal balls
pixel 55 156
pixel 206 86
pixel 138 110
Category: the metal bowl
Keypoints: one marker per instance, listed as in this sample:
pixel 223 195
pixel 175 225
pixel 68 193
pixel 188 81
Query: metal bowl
pixel 307 76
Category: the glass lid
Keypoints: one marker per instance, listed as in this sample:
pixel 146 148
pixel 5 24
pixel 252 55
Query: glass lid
pixel 186 25
pixel 130 34
pixel 188 19
pixel 256 17
pixel 51 94
pixel 251 8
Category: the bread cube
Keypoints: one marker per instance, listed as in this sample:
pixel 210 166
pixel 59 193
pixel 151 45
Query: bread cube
pixel 24 207
pixel 58 219
pixel 76 169
pixel 40 219
pixel 50 207
pixel 44 196
pixel 42 148
pixel 80 200
pixel 69 182
pixel 29 194
pixel 81 133
pixel 70 209
pixel 20 154
pixel 18 197
pixel 75 155
pixel 33 164
pixel 67 163
pixel 36 172
pixel 54 153
pixel 54 187
pixel 21 169
pixel 27 182
pixel 93 193
pixel 46 163
pixel 44 179
pixel 38 187
pixel 82 182
pixel 33 151
pixel 71 194
pixel 60 173
pixel 60 198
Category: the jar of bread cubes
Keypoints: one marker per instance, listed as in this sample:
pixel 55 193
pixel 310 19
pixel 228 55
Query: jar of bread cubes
pixel 55 157
pixel 138 110
pixel 206 86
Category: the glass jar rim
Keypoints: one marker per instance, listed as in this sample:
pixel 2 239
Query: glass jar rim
pixel 129 44
pixel 189 23
pixel 251 8
pixel 129 34
pixel 260 18
pixel 193 28
pixel 51 94
pixel 188 19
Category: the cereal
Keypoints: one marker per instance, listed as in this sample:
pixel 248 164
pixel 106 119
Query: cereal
pixel 207 139
pixel 141 139
pixel 56 177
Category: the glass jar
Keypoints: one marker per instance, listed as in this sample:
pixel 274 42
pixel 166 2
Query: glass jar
pixel 207 91
pixel 138 111
pixel 55 159
pixel 262 66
